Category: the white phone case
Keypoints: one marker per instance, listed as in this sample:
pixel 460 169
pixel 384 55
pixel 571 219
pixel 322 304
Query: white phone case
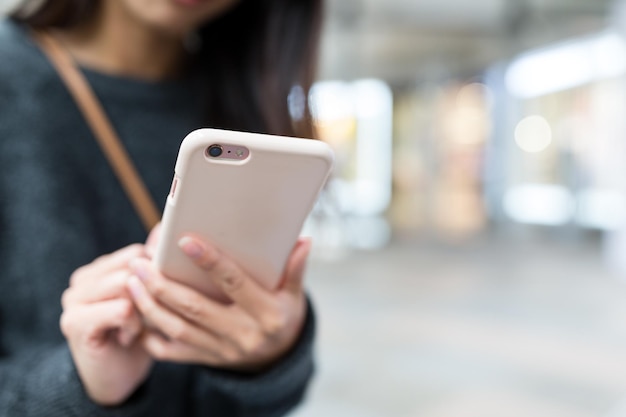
pixel 251 209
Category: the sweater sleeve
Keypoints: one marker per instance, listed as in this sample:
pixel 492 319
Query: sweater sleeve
pixel 44 382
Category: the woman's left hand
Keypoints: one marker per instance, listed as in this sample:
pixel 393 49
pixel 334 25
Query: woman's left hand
pixel 186 326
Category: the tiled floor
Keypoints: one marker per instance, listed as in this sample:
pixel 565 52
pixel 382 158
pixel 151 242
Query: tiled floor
pixel 497 327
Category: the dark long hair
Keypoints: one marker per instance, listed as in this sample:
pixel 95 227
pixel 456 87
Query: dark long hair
pixel 255 54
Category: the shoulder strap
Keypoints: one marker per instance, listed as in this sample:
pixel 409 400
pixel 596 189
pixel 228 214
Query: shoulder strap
pixel 101 127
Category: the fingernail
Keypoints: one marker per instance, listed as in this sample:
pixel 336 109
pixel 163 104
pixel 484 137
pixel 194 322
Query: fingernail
pixel 139 270
pixel 308 241
pixel 190 247
pixel 135 287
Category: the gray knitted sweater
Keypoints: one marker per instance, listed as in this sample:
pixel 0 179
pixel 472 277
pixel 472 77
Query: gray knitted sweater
pixel 61 207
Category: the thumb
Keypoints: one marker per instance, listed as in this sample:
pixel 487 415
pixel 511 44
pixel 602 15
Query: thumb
pixel 293 277
pixel 152 240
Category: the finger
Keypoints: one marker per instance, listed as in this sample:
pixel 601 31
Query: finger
pixel 163 349
pixel 185 301
pixel 168 323
pixel 262 305
pixel 152 240
pixel 233 281
pixel 293 277
pixel 107 263
pixel 112 285
pixel 119 258
pixel 92 323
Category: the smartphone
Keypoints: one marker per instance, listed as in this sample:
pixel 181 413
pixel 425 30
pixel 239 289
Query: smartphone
pixel 249 194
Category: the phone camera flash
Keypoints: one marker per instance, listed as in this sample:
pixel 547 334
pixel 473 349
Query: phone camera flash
pixel 239 153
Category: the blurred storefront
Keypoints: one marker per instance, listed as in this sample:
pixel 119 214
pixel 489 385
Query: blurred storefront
pixel 537 141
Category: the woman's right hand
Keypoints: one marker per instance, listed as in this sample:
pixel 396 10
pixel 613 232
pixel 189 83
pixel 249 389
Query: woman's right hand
pixel 102 328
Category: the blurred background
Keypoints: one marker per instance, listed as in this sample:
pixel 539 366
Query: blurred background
pixel 470 250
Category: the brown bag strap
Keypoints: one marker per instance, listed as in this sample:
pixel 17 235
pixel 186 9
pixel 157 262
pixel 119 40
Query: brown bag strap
pixel 101 127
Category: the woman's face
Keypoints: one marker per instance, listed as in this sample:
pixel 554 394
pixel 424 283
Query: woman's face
pixel 177 17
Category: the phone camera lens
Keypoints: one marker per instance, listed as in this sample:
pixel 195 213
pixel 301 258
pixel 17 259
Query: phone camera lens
pixel 214 151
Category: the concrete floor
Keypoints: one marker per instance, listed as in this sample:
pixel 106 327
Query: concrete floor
pixel 497 327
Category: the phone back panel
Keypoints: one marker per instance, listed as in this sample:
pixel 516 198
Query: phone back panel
pixel 252 210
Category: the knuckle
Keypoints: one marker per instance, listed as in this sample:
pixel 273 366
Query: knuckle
pixel 229 355
pixel 231 281
pixel 190 307
pixel 251 343
pixel 76 276
pixel 66 324
pixel 159 351
pixel 157 288
pixel 119 279
pixel 273 323
pixel 135 248
pixel 66 298
pixel 178 332
pixel 210 260
pixel 102 258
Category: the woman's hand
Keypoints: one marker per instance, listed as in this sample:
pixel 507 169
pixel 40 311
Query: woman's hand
pixel 255 330
pixel 102 328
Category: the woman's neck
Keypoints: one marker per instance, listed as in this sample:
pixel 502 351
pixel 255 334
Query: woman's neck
pixel 113 43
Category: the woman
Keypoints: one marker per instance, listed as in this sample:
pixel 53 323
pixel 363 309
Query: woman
pixel 132 342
